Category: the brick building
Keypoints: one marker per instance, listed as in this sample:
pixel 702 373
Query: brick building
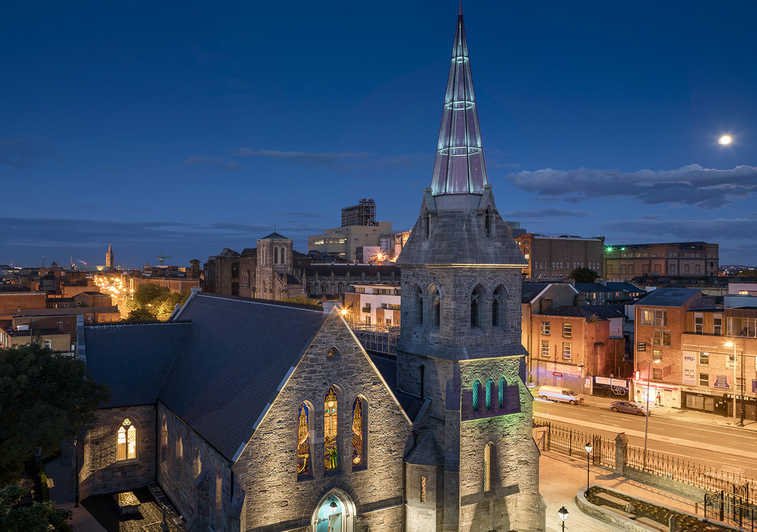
pixel 624 262
pixel 553 258
pixel 373 305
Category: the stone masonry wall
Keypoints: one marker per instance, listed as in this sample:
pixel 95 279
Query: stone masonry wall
pixel 275 498
pixel 100 472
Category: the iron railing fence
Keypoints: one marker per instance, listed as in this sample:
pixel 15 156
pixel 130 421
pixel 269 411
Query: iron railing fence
pixel 732 508
pixel 570 441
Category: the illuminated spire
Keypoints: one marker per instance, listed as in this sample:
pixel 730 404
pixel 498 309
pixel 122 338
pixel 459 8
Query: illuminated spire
pixel 459 166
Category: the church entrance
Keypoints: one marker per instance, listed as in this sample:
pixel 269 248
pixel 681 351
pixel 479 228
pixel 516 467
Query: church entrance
pixel 334 513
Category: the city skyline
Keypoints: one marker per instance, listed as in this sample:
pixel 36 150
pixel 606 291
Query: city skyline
pixel 206 125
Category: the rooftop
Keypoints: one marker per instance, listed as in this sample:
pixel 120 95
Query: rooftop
pixel 668 297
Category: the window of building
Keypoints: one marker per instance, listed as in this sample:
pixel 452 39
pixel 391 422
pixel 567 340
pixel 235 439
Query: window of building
pixel 730 361
pixel 567 330
pixel 423 488
pixel 330 431
pixel 436 307
pixel 126 441
pixel 501 392
pixel 179 448
pixel 474 392
pixel 219 492
pixel 657 374
pixel 488 451
pixel 698 323
pixel 304 464
pixel 704 379
pixel 717 324
pixel 704 358
pixel 197 464
pixel 661 338
pixel 647 317
pixel 656 355
pixel 163 439
pixel 419 306
pixel 488 395
pixel 544 349
pixel 660 318
pixel 546 327
pixel 359 434
pixel 566 351
pixel 498 306
pixel 475 307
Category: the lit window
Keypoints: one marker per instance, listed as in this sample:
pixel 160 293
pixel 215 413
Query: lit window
pixel 545 328
pixel 126 441
pixel 179 448
pixel 330 431
pixel 544 349
pixel 656 355
pixel 219 492
pixel 698 323
pixel 303 442
pixel 566 351
pixel 359 435
pixel 704 358
pixel 567 330
pixel 197 464
pixel 717 325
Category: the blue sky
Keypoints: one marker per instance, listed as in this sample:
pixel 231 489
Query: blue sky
pixel 180 128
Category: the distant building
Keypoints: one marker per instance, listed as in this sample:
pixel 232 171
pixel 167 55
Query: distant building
pixel 373 305
pixel 364 213
pixel 109 260
pixel 343 242
pixel 332 281
pixel 14 302
pixel 624 262
pixel 553 258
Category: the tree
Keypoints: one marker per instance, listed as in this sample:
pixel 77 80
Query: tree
pixel 44 399
pixel 584 275
pixel 141 314
pixel 18 513
pixel 155 302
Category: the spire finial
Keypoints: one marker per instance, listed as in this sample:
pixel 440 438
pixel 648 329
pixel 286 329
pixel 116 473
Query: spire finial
pixel 460 9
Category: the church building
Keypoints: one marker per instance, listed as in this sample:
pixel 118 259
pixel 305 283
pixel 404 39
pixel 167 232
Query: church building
pixel 261 415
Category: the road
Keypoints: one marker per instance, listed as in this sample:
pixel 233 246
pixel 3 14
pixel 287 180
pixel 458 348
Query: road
pixel 702 437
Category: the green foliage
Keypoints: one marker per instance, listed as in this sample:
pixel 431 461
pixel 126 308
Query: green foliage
pixel 19 514
pixel 584 275
pixel 157 301
pixel 44 399
pixel 141 314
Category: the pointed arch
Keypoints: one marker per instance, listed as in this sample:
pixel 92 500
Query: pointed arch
pixel 418 305
pixel 476 306
pixel 331 430
pixel 488 393
pixel 197 463
pixel 304 454
pixel 501 392
pixel 436 306
pixel 488 466
pixel 179 448
pixel 359 433
pixel 126 441
pixel 499 302
pixel 475 392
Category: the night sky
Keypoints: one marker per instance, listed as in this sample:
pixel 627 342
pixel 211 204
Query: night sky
pixel 182 128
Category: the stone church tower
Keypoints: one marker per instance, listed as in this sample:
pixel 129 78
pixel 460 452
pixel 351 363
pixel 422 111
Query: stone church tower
pixel 475 466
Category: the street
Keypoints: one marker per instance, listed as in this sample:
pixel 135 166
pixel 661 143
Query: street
pixel 706 438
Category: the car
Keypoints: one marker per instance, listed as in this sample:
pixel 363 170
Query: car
pixel 559 395
pixel 627 407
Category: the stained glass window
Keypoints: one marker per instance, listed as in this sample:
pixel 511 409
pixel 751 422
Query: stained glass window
pixel 359 435
pixel 501 392
pixel 303 442
pixel 126 441
pixel 489 386
pixel 330 431
pixel 475 392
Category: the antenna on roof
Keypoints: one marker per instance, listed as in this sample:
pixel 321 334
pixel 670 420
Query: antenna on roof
pixel 460 9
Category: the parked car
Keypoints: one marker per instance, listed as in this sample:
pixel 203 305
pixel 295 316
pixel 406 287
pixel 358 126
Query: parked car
pixel 559 395
pixel 627 407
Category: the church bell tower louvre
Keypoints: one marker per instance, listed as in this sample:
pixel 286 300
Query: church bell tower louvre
pixel 460 338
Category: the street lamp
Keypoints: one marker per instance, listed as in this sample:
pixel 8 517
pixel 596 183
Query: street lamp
pixel 646 419
pixel 563 513
pixel 588 448
pixel 732 345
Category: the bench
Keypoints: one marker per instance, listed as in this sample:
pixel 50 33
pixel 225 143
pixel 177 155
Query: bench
pixel 612 499
pixel 127 502
pixel 651 523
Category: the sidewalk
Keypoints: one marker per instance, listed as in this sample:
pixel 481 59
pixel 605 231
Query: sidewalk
pixel 562 477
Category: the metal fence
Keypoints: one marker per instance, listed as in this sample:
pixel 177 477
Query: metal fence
pixel 567 440
pixel 734 508
pixel 375 339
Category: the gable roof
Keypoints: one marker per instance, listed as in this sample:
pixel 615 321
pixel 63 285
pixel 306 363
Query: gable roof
pixel 668 297
pixel 274 236
pixel 238 353
pixel 531 289
pixel 133 359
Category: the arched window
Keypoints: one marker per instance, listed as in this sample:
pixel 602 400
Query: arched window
pixel 489 386
pixel 475 392
pixel 179 448
pixel 163 439
pixel 436 308
pixel 488 451
pixel 304 468
pixel 330 431
pixel 197 464
pixel 488 222
pixel 501 392
pixel 126 441
pixel 359 434
pixel 498 306
pixel 475 306
pixel 419 306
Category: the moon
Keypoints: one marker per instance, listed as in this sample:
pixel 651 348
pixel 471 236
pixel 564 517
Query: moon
pixel 725 140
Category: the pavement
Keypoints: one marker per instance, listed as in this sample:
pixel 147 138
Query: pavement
pixel 562 477
pixel 705 438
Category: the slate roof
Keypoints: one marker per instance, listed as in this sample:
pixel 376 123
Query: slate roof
pixel 591 287
pixel 531 289
pixel 588 311
pixel 132 360
pixel 668 297
pixel 623 287
pixel 274 236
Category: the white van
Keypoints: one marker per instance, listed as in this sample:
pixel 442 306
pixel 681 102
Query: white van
pixel 559 395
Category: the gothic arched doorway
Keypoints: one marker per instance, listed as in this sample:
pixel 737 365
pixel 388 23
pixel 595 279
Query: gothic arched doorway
pixel 334 513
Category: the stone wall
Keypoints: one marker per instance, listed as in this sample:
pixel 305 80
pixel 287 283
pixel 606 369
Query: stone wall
pixel 267 468
pixel 191 480
pixel 100 472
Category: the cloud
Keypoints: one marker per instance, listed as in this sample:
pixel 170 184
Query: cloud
pixel 546 213
pixel 304 156
pixel 21 153
pixel 692 184
pixel 714 230
pixel 201 160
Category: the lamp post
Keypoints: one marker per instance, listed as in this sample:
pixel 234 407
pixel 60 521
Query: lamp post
pixel 563 513
pixel 646 418
pixel 732 345
pixel 588 447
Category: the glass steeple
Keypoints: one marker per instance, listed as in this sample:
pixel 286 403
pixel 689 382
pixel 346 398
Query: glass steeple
pixel 459 166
